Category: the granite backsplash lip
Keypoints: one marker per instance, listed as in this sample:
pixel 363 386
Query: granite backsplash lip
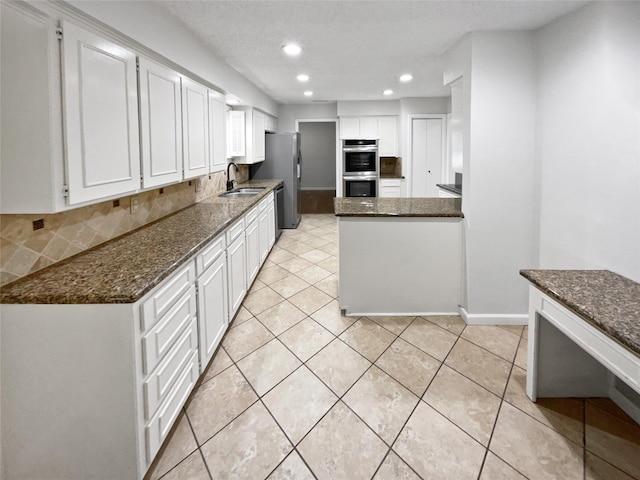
pixel 397 207
pixel 126 268
pixel 608 301
pixel 451 187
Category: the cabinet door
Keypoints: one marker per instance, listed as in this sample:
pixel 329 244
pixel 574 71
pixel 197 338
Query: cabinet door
pixel 212 308
pixel 264 230
pixel 160 124
pixel 349 127
pixel 253 251
pixel 236 257
pixel 368 127
pixel 217 132
pixel 100 116
pixel 271 213
pixel 258 137
pixel 388 134
pixel 195 129
pixel 236 137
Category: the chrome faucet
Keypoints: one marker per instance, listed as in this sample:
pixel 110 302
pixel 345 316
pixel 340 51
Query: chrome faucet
pixel 230 182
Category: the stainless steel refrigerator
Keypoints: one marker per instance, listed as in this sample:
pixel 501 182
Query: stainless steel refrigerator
pixel 282 160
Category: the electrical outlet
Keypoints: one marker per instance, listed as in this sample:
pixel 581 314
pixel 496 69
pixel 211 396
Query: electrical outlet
pixel 134 203
pixel 198 184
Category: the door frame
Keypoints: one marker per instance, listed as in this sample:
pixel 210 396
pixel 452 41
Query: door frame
pixel 338 147
pixel 409 150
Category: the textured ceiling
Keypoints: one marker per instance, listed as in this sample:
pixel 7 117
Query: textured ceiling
pixel 352 50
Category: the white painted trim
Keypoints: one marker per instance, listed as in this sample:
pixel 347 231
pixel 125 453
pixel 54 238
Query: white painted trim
pixel 399 314
pixel 494 318
pixel 624 403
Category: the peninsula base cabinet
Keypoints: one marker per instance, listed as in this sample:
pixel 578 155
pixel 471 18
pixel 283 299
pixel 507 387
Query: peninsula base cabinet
pixel 92 391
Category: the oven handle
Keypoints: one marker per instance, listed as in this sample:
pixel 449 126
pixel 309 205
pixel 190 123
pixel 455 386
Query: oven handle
pixel 366 178
pixel 360 149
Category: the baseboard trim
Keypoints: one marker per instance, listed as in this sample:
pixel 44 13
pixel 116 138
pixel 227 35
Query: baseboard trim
pixel 493 318
pixel 398 314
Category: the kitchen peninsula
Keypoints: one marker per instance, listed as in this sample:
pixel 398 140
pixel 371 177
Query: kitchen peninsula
pixel 399 256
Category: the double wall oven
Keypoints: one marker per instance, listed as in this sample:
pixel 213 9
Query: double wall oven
pixel 360 168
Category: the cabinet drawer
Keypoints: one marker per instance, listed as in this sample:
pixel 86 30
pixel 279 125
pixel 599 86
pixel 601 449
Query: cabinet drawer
pixel 166 295
pixel 161 380
pixel 250 216
pixel 234 231
pixel 210 254
pixel 159 340
pixel 264 203
pixel 159 426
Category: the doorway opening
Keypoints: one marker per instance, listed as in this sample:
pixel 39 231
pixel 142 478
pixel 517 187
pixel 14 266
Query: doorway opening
pixel 318 166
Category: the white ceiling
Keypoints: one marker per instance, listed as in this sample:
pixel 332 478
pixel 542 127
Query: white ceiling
pixel 352 50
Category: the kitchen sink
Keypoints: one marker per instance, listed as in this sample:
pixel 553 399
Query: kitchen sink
pixel 243 192
pixel 250 189
pixel 237 194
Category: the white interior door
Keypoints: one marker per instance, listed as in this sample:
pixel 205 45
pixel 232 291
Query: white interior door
pixel 427 150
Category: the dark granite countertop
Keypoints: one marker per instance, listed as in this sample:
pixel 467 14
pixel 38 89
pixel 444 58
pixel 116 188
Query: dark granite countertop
pixel 397 207
pixel 124 269
pixel 608 301
pixel 451 187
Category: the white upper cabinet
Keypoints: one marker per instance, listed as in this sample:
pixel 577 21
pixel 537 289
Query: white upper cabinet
pixel 368 127
pixel 217 132
pixel 247 139
pixel 258 136
pixel 100 116
pixel 195 128
pixel 388 135
pixel 31 161
pixel 350 127
pixel 160 124
pixel 236 134
pixel 385 129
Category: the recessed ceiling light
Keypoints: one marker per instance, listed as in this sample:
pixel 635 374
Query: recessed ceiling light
pixel 387 92
pixel 308 93
pixel 407 77
pixel 303 77
pixel 292 49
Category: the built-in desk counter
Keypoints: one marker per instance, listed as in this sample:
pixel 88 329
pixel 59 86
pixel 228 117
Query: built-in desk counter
pixel 399 256
pixel 584 336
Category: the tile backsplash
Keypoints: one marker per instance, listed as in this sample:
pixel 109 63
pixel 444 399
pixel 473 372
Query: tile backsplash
pixel 24 250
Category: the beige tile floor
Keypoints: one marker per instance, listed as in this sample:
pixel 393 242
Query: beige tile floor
pixel 297 391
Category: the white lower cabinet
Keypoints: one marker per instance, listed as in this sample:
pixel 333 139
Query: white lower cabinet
pixel 236 256
pixel 213 310
pixel 391 188
pixel 123 370
pixel 266 226
pixel 253 251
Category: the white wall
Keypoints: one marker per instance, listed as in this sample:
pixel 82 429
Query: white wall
pixel 589 139
pixel 416 106
pixel 151 25
pixel 499 203
pixel 498 75
pixel 289 113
